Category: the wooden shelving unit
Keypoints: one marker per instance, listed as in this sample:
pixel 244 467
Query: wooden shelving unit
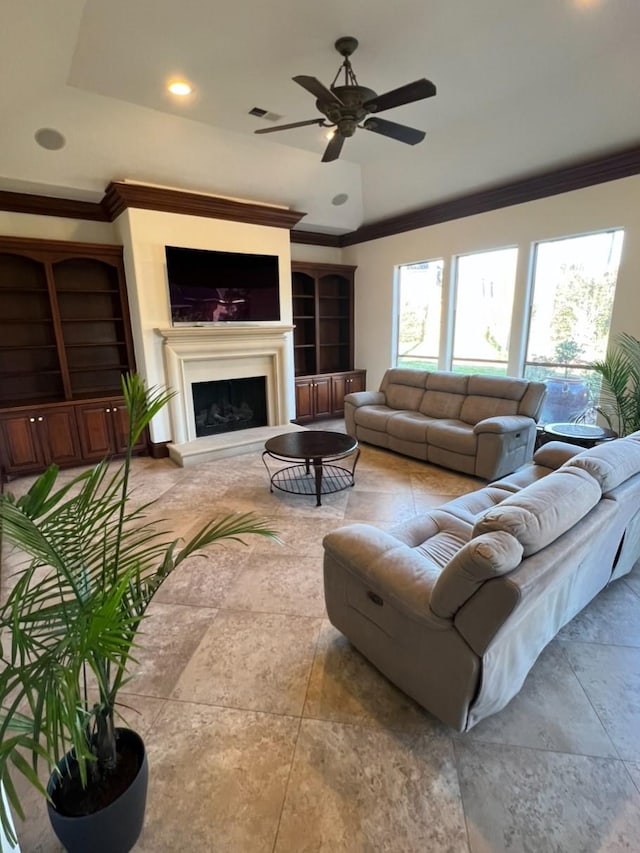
pixel 322 297
pixel 65 337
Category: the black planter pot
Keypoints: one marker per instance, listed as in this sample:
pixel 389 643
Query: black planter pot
pixel 115 828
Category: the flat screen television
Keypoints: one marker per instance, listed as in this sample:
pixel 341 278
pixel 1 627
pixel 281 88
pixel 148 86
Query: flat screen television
pixel 222 287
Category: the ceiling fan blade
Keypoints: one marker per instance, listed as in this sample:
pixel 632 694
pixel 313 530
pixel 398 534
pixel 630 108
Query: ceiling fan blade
pixel 311 84
pixel 415 91
pixel 333 149
pixel 289 126
pixel 396 131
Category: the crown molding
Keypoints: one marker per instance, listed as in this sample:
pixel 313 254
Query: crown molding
pixel 45 205
pixel 120 195
pixel 621 164
pixel 316 238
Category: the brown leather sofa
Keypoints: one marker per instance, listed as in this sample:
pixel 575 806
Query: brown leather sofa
pixel 480 425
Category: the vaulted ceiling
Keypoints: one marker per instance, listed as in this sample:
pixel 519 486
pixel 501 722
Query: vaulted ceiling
pixel 523 87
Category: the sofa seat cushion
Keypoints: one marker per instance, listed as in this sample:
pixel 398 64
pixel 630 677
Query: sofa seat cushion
pixel 468 507
pixel 537 516
pixel 611 463
pixel 487 556
pixel 374 417
pixel 453 435
pixel 409 426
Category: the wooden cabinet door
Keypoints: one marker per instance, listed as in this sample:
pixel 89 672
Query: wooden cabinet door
pixel 357 382
pixel 304 398
pixel 340 387
pixel 21 450
pixel 59 436
pixel 95 429
pixel 322 396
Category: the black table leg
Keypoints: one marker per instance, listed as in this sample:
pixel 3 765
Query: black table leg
pixel 317 467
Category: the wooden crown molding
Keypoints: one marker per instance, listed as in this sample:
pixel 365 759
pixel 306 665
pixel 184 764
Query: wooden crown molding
pixel 316 238
pixel 45 205
pixel 621 164
pixel 120 195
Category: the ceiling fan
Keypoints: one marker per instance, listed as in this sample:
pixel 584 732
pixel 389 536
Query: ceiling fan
pixel 345 106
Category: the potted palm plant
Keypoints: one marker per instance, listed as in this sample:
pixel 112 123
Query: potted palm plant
pixel 68 630
pixel 620 393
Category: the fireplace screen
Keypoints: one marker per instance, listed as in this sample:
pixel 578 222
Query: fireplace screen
pixel 229 404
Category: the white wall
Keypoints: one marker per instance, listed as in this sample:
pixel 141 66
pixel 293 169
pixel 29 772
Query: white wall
pixel 144 234
pixel 39 227
pixel 611 205
pixel 316 254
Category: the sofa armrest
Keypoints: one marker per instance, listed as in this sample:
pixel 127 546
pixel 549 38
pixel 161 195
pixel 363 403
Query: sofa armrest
pixel 366 398
pixel 398 573
pixel 503 424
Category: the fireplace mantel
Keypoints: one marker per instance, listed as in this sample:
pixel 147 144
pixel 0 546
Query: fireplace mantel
pixel 228 351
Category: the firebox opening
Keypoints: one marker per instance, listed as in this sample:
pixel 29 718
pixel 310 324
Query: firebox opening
pixel 229 404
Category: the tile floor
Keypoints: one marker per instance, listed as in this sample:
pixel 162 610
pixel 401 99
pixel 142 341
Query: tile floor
pixel 267 732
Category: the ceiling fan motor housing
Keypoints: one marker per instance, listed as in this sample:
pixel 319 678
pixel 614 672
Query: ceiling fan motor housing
pixel 347 115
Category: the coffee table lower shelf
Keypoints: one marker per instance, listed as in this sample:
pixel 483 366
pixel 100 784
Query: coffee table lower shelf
pixel 301 480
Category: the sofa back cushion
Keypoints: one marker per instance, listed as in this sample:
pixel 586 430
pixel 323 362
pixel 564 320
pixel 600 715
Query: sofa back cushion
pixel 403 387
pixel 491 396
pixel 539 514
pixel 445 394
pixel 611 463
pixel 485 557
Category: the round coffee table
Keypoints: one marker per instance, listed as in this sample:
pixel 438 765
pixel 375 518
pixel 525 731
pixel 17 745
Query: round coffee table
pixel 317 449
pixel 584 435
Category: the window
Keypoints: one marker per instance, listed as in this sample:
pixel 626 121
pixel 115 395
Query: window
pixel 485 285
pixel 419 312
pixel 573 288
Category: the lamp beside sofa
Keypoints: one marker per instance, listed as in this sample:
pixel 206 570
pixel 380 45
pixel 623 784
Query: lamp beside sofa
pixel 455 605
pixel 480 425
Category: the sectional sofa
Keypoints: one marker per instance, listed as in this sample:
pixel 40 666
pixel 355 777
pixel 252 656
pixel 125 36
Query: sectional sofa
pixel 481 425
pixel 455 605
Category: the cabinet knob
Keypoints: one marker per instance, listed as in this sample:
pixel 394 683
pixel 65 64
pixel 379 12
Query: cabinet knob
pixel 40 420
pixel 115 408
pixel 107 410
pixel 32 420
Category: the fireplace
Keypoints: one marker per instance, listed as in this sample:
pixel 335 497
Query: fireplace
pixel 214 354
pixel 229 404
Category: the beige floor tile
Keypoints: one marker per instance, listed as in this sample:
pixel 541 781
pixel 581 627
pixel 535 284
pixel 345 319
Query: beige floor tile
pixel 256 661
pixel 379 506
pixel 168 638
pixel 610 676
pixel 203 580
pixel 524 800
pixel 217 781
pixel 550 712
pixel 360 789
pixel 344 687
pixel 279 585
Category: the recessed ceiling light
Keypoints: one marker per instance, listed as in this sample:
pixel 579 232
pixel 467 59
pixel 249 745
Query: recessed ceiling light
pixel 339 199
pixel 49 138
pixel 180 87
